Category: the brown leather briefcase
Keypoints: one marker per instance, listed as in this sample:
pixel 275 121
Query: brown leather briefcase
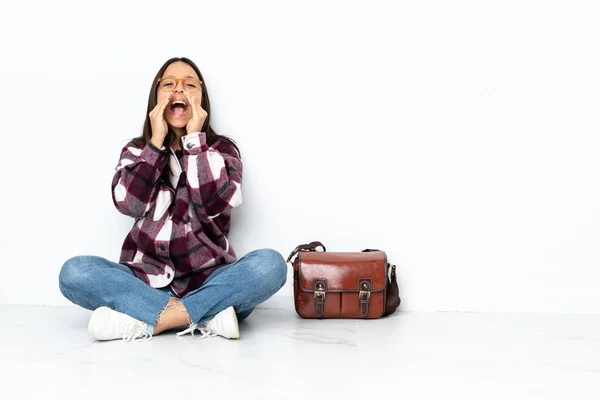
pixel 343 285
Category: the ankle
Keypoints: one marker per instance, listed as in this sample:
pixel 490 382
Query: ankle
pixel 173 315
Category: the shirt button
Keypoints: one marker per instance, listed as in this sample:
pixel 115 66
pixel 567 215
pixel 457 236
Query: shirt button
pixel 162 158
pixel 190 145
pixel 162 246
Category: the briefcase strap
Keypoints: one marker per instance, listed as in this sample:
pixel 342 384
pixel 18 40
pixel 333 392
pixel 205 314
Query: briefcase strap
pixel 364 295
pixel 320 289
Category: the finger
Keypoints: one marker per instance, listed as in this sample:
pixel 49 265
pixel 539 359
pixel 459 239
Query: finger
pixel 160 107
pixel 200 110
pixel 196 107
pixel 192 103
pixel 192 99
pixel 161 104
pixel 197 97
pixel 195 101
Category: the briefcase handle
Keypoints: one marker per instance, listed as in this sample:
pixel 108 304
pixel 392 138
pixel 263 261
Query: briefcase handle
pixel 312 246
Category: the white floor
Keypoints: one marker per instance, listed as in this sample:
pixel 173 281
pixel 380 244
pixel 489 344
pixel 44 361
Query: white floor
pixel 46 353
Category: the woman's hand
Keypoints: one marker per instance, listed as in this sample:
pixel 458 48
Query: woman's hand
pixel 199 114
pixel 158 122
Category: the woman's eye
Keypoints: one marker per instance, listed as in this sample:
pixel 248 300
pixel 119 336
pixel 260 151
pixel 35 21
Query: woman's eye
pixel 167 84
pixel 191 85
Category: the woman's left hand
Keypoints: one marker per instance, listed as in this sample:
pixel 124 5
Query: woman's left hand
pixel 199 114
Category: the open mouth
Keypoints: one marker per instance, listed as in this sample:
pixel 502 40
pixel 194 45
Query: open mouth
pixel 178 107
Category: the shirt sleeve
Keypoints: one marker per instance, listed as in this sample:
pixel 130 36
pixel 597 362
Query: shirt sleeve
pixel 214 175
pixel 134 185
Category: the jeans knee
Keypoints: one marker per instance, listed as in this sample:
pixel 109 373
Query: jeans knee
pixel 73 273
pixel 273 267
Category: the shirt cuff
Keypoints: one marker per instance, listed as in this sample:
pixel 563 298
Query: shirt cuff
pixel 194 142
pixel 155 156
pixel 156 148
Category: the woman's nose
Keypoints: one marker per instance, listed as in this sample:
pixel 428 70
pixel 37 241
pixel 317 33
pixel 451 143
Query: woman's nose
pixel 179 87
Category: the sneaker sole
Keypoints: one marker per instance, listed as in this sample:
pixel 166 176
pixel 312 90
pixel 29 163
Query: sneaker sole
pixel 231 330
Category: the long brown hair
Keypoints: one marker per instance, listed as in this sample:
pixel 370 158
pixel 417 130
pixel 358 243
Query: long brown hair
pixel 211 135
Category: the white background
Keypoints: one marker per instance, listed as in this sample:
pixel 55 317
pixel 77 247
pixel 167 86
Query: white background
pixel 461 137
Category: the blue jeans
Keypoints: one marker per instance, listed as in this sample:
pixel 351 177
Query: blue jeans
pixel 92 281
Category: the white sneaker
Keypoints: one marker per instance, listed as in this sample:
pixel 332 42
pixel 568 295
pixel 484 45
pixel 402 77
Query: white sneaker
pixel 108 324
pixel 223 324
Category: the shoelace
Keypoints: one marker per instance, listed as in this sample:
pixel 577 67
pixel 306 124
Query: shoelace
pixel 135 333
pixel 203 328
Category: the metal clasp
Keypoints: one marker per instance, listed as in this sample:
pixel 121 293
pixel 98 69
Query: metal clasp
pixel 360 294
pixel 318 293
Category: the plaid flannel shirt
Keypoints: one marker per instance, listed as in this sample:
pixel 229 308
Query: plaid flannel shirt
pixel 181 222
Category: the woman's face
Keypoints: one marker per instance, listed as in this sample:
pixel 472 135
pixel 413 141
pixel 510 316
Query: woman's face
pixel 178 116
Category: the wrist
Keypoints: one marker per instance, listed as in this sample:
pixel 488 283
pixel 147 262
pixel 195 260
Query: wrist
pixel 157 143
pixel 192 130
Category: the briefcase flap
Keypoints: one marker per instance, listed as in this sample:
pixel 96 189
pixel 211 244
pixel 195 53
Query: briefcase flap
pixel 342 271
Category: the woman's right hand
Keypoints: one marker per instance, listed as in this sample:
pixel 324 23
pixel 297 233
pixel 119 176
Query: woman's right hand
pixel 158 123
